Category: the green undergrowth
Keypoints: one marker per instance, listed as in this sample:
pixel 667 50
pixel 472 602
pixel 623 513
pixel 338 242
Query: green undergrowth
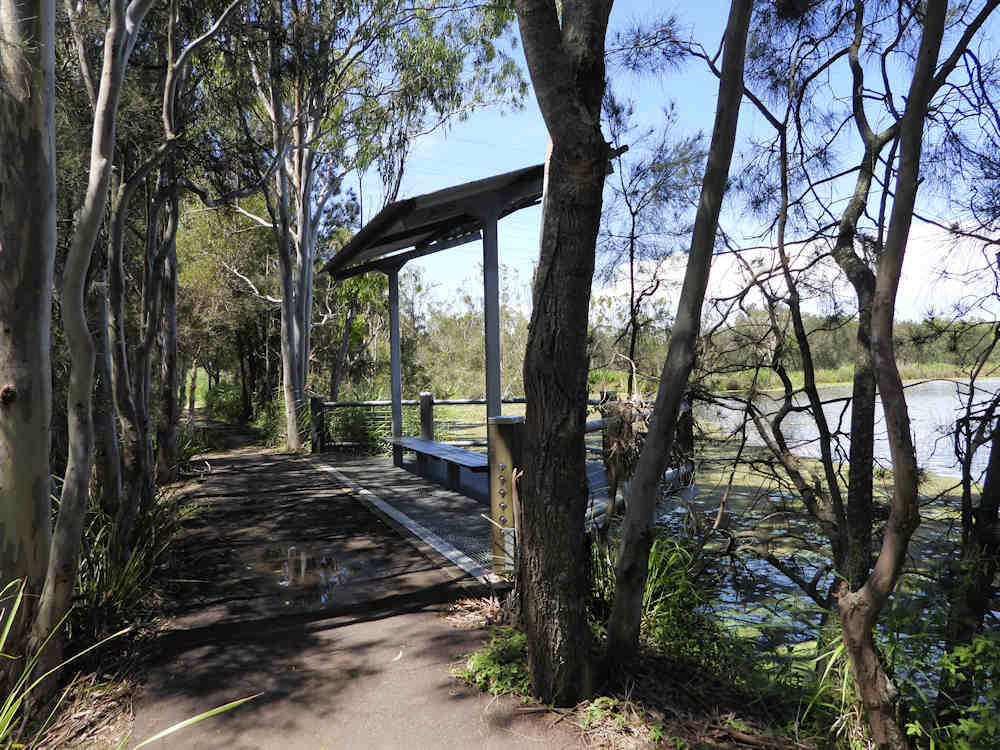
pixel 695 683
pixel 224 402
pixel 500 666
pixel 108 594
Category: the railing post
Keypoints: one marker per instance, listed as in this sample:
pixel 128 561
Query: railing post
pixel 426 429
pixel 396 358
pixel 317 418
pixel 427 416
pixel 504 436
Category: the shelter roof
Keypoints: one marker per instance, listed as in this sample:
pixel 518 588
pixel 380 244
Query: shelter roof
pixel 435 221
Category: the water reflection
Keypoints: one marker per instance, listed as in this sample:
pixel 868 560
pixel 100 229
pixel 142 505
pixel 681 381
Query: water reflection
pixel 297 567
pixel 933 406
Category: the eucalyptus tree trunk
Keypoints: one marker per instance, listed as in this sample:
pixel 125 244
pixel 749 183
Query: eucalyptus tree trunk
pixel 134 466
pixel 291 332
pixel 65 552
pixel 193 387
pixel 633 556
pixel 166 434
pixel 565 55
pixel 161 234
pixel 306 215
pixel 132 385
pixel 339 364
pixel 182 384
pixel 27 257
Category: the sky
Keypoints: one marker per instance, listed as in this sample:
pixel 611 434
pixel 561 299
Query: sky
pixel 492 141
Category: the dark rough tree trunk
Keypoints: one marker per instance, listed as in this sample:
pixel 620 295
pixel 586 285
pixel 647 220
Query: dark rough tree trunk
pixel 566 60
pixel 633 557
pixel 973 588
pixel 108 489
pixel 27 255
pixel 132 385
pixel 135 461
pixel 859 609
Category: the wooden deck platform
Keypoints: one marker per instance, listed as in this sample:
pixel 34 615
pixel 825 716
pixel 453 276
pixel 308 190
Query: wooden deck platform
pixel 454 524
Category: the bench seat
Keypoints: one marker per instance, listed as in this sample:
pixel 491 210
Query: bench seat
pixel 453 457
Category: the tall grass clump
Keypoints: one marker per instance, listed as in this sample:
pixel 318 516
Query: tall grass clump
pixel 192 440
pixel 677 621
pixel 13 704
pixel 107 593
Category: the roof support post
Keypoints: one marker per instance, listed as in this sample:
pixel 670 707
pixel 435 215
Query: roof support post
pixel 396 357
pixel 491 312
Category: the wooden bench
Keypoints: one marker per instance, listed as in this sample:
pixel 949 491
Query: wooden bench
pixel 454 458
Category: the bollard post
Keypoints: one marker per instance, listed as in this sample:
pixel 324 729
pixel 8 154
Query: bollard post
pixel 427 415
pixel 317 417
pixel 426 428
pixel 504 436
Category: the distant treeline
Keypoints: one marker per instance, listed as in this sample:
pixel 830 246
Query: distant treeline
pixel 736 354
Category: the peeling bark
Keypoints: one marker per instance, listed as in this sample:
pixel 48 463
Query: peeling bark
pixel 27 256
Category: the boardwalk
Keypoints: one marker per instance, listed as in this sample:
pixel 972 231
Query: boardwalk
pixel 288 585
pixel 455 524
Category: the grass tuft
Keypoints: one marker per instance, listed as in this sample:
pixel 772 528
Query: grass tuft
pixel 499 667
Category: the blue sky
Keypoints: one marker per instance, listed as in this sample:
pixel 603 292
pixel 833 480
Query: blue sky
pixel 491 141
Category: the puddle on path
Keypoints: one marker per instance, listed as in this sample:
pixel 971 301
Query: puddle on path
pixel 311 576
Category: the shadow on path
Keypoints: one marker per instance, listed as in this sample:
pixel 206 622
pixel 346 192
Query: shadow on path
pixel 286 585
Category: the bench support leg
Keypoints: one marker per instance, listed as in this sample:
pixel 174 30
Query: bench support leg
pixel 422 464
pixel 453 475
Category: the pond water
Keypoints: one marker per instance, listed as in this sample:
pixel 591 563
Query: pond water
pixel 754 595
pixel 933 406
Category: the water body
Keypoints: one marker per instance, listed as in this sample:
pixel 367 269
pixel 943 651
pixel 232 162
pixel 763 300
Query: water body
pixel 934 407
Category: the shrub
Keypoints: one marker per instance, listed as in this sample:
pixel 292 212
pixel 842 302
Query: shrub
pixel 224 402
pixel 368 427
pixel 269 419
pixel 976 725
pixel 499 666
